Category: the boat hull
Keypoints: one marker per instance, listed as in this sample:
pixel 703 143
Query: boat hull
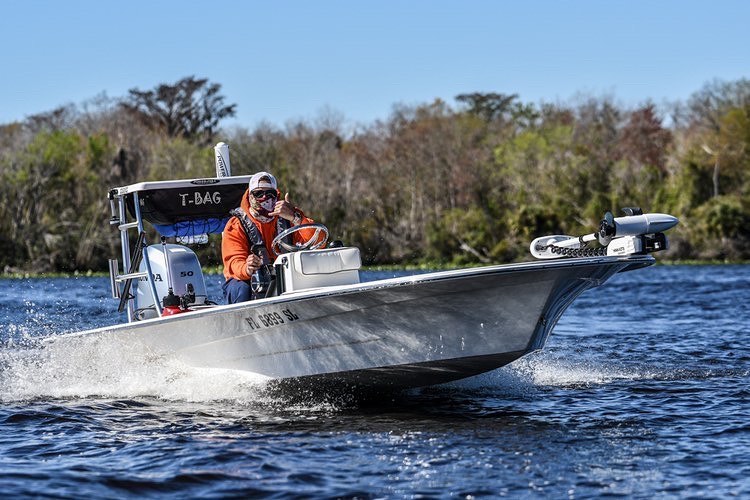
pixel 398 333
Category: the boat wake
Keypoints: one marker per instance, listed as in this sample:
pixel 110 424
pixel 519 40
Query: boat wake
pixel 543 369
pixel 546 371
pixel 109 368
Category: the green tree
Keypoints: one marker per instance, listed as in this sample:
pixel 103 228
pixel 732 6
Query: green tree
pixel 43 210
pixel 191 108
pixel 490 106
pixel 706 107
pixel 721 229
pixel 641 152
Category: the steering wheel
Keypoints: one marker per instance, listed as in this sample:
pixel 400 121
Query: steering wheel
pixel 312 244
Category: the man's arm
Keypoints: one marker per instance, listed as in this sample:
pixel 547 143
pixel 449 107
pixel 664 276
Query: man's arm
pixel 286 210
pixel 303 235
pixel 234 251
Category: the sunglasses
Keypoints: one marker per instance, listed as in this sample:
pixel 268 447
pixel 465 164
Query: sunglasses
pixel 262 194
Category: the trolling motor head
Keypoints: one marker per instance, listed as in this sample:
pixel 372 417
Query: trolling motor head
pixel 634 234
pixel 607 229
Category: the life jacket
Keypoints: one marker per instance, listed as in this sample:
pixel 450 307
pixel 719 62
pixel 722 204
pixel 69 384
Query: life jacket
pixel 253 235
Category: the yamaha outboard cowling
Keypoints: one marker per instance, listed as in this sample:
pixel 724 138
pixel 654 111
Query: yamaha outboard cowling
pixel 186 275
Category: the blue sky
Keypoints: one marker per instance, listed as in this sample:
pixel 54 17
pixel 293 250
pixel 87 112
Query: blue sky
pixel 289 60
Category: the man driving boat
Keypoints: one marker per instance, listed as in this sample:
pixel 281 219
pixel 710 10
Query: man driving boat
pixel 247 237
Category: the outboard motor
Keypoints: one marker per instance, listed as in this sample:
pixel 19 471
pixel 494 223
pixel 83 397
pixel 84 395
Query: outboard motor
pixel 175 263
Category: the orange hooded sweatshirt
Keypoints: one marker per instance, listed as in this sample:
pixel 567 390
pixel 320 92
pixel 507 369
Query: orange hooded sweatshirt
pixel 234 245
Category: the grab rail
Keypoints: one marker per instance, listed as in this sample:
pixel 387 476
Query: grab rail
pixel 135 261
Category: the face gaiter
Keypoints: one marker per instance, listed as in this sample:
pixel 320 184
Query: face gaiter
pixel 260 208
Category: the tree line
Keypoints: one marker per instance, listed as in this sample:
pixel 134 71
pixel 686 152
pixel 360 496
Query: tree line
pixel 439 183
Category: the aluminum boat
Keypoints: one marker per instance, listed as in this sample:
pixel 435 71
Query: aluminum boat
pixel 318 324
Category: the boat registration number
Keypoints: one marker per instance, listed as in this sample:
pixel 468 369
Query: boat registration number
pixel 274 318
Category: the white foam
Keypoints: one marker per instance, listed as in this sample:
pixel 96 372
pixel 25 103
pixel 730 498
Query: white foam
pixel 510 382
pixel 107 367
pixel 544 370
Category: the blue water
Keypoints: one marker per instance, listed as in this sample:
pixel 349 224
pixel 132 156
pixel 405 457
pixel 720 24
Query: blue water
pixel 641 391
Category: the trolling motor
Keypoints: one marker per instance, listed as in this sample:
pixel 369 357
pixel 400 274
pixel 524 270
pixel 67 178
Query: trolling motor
pixel 634 234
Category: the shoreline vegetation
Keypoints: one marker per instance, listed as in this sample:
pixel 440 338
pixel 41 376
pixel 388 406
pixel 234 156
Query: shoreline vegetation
pixel 436 185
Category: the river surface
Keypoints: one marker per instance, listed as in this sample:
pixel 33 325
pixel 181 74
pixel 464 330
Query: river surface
pixel 641 391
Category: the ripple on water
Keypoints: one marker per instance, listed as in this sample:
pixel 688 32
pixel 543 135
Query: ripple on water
pixel 641 391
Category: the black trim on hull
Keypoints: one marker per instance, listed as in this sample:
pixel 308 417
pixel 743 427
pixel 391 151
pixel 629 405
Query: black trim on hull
pixel 395 378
